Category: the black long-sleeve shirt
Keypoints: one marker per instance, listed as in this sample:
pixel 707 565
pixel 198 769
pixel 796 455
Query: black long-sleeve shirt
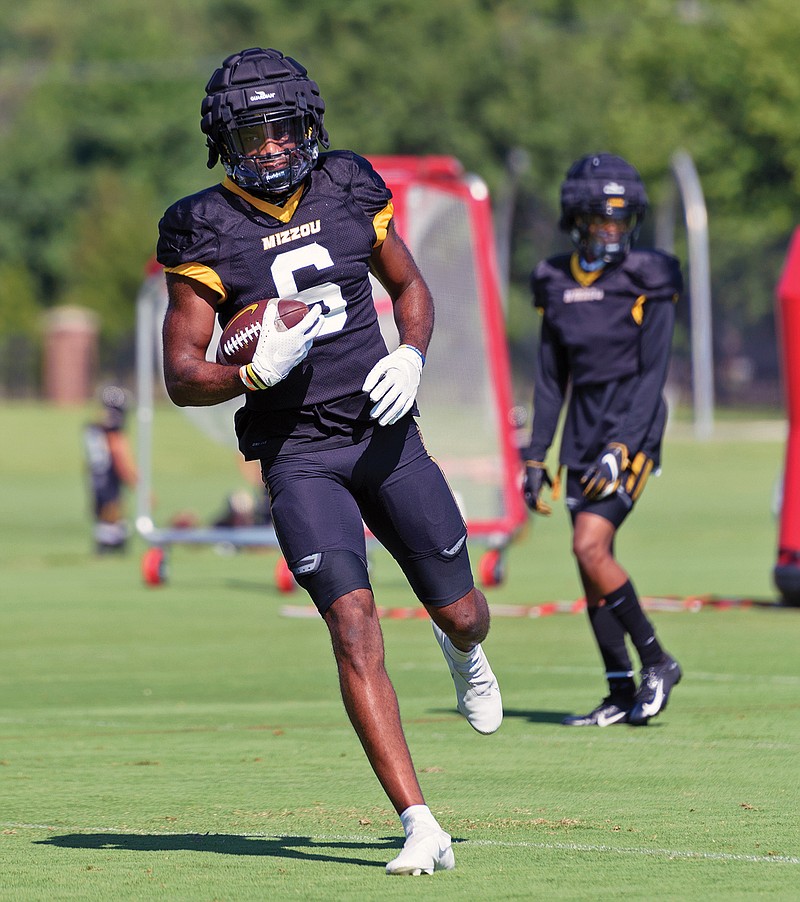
pixel 605 344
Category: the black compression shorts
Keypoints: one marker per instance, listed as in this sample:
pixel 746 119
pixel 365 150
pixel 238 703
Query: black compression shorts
pixel 615 508
pixel 322 500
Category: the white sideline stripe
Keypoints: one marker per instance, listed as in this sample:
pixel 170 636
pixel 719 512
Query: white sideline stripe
pixel 696 675
pixel 666 853
pixel 485 843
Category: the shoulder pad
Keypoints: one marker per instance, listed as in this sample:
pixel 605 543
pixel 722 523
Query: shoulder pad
pixel 545 273
pixel 184 234
pixel 656 273
pixel 345 168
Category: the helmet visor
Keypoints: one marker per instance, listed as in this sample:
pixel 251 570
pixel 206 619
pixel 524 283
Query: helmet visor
pixel 268 138
pixel 614 225
pixel 605 237
pixel 270 155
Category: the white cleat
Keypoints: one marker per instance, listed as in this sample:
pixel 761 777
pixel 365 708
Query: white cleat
pixel 423 854
pixel 477 693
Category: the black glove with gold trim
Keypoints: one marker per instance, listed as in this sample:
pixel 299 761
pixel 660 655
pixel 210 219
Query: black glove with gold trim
pixel 536 476
pixel 604 476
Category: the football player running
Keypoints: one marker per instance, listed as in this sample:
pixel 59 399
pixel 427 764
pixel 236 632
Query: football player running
pixel 607 321
pixel 328 411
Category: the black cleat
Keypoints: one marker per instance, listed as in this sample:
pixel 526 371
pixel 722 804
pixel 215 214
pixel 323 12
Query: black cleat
pixel 653 692
pixel 608 712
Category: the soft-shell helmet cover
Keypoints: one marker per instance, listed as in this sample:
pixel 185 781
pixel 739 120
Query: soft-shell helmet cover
pixel 602 184
pixel 255 87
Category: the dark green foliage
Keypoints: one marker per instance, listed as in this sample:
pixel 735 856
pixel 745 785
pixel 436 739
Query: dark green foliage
pixel 99 118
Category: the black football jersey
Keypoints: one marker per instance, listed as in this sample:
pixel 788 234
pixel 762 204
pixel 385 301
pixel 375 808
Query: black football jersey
pixel 606 336
pixel 315 247
pixel 106 482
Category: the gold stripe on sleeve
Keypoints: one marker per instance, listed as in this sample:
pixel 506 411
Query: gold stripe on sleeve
pixel 200 273
pixel 637 311
pixel 381 221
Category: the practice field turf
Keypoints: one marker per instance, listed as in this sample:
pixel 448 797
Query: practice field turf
pixel 188 742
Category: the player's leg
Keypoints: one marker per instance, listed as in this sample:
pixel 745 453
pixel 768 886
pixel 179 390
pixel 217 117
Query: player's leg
pixel 110 529
pixel 411 509
pixel 369 696
pixel 608 586
pixel 322 537
pixel 660 671
pixel 465 622
pixel 371 705
pixel 591 532
pixel 460 628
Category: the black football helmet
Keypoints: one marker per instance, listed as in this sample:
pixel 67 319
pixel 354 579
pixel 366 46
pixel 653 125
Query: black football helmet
pixel 262 116
pixel 115 402
pixel 599 187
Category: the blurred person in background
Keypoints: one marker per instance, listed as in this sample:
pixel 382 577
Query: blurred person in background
pixel 607 320
pixel 111 467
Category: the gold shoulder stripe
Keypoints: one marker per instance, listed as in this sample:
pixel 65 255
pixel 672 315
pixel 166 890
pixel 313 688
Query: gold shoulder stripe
pixel 637 311
pixel 282 214
pixel 200 273
pixel 381 221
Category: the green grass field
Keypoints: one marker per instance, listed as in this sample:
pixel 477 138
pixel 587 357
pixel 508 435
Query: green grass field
pixel 188 742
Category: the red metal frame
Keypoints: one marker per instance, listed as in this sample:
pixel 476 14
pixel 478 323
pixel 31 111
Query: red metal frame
pixel 447 174
pixel 400 173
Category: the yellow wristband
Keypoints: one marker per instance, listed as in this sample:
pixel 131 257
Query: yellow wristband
pixel 251 381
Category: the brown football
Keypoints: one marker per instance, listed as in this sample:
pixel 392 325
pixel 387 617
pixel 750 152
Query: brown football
pixel 239 338
pixel 290 312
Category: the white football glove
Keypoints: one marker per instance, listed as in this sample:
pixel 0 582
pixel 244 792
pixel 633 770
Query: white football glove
pixel 392 384
pixel 277 353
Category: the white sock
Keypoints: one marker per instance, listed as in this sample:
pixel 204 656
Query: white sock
pixel 458 654
pixel 417 817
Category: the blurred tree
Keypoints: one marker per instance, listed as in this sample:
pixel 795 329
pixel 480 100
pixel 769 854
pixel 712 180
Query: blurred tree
pixel 118 224
pixel 20 331
pixel 99 110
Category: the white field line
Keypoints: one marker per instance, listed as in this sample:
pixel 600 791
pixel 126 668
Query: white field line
pixel 657 853
pixel 780 679
pixel 483 843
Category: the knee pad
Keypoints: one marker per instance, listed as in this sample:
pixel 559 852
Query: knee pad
pixel 327 575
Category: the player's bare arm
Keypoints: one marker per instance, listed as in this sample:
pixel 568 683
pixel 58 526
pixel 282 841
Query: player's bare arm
pixel 393 382
pixel 191 380
pixel 394 266
pixel 122 456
